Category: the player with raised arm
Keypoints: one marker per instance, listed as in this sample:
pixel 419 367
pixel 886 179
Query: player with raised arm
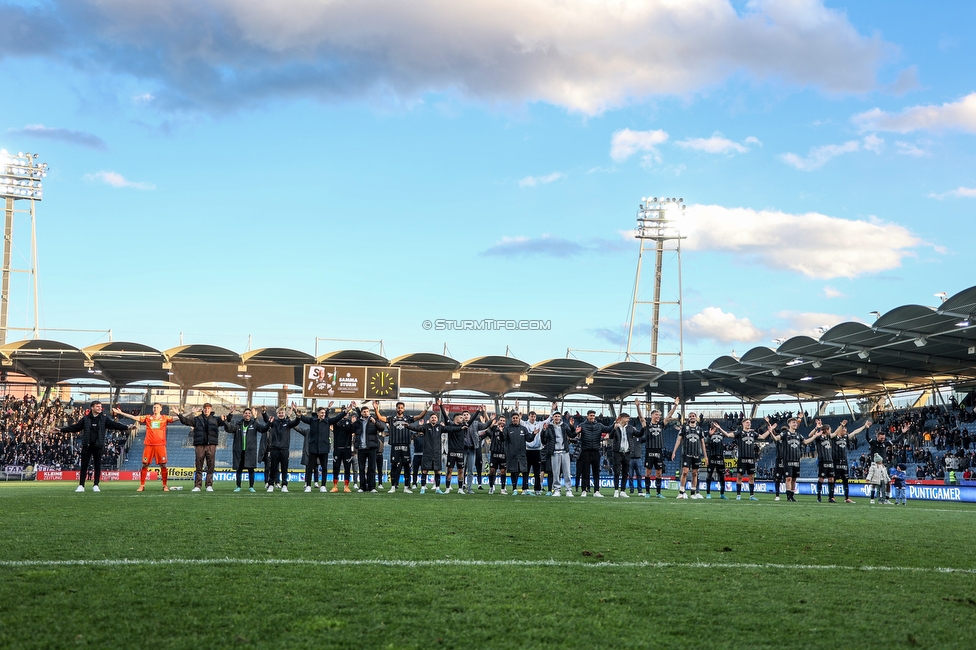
pixel 342 434
pixel 823 437
pixel 841 439
pixel 715 453
pixel 496 450
pixel 746 439
pixel 400 438
pixel 792 448
pixel 154 447
pixel 691 441
pixel 653 439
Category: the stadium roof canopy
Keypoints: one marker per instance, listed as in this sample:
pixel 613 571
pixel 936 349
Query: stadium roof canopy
pixel 909 347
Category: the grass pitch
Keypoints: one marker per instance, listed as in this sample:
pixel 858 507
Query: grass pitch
pixel 420 571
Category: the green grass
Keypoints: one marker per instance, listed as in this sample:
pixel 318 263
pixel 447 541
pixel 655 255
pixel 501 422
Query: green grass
pixel 704 595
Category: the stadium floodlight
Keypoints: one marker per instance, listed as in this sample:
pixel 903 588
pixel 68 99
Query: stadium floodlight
pixel 776 373
pixel 963 323
pixel 658 228
pixel 818 364
pixel 863 354
pixel 876 314
pixel 743 380
pixel 921 342
pixel 942 295
pixel 21 178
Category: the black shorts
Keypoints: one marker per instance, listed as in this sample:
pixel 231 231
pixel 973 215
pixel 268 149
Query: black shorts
pixel 399 455
pixel 746 466
pixel 825 471
pixel 518 466
pixel 342 454
pixel 655 461
pixel 690 462
pixel 498 461
pixel 455 459
pixel 430 464
pixel 779 471
pixel 714 464
pixel 792 470
pixel 840 471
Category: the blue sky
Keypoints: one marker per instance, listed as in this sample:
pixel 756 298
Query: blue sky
pixel 290 170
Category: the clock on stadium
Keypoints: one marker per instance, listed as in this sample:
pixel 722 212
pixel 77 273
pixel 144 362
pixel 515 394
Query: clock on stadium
pixel 383 383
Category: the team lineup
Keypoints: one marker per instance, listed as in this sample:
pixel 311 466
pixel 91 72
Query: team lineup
pixel 423 445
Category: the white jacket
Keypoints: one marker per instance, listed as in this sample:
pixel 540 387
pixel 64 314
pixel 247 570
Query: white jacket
pixel 877 475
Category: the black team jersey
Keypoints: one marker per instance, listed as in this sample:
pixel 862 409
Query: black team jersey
pixel 715 444
pixel 794 447
pixel 825 450
pixel 653 440
pixel 455 441
pixel 399 433
pixel 691 437
pixel 745 441
pixel 840 450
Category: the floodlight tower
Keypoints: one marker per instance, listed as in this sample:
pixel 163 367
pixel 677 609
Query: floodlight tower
pixel 657 222
pixel 20 180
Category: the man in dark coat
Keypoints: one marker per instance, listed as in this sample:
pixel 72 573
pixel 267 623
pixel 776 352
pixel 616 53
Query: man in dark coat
pixel 317 443
pixel 206 429
pixel 277 445
pixel 245 445
pixel 92 428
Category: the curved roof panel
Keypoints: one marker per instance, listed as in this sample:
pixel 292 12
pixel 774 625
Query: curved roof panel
pixel 353 358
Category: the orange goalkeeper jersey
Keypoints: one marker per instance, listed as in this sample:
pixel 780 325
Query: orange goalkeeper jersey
pixel 155 429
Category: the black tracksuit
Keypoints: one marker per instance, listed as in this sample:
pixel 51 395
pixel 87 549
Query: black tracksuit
pixel 92 429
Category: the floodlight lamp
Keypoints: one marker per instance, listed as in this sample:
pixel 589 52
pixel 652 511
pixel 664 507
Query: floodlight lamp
pixel 963 323
pixel 863 354
pixel 807 378
pixel 704 383
pixel 818 364
pixel 743 380
pixel 776 373
pixel 921 342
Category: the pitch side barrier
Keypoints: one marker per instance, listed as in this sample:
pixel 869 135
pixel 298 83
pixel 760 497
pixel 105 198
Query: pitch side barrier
pixel 918 490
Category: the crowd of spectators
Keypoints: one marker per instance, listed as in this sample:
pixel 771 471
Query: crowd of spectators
pixel 28 435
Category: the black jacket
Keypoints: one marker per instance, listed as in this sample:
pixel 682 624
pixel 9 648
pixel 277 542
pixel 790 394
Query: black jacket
pixel 515 437
pixel 245 444
pixel 549 438
pixel 93 429
pixel 373 427
pixel 279 433
pixel 317 437
pixel 591 434
pixel 633 441
pixel 205 428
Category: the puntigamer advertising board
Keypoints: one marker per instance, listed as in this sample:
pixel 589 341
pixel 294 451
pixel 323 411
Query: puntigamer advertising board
pixel 351 382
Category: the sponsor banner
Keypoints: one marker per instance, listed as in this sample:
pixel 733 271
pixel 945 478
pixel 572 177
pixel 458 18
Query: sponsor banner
pixel 459 408
pixel 13 469
pixel 351 382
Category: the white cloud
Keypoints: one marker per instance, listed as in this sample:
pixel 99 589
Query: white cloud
pixel 831 292
pixel 144 98
pixel 951 116
pixel 819 156
pixel 584 56
pixel 532 181
pixel 909 149
pixel 716 144
pixel 714 324
pixel 873 143
pixel 806 323
pixel 625 143
pixel 815 245
pixel 118 180
pixel 959 193
pixel 753 140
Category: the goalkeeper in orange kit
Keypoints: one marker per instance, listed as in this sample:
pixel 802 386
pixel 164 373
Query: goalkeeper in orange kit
pixel 155 445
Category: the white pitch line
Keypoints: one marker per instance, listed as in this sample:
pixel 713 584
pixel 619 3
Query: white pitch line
pixel 15 564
